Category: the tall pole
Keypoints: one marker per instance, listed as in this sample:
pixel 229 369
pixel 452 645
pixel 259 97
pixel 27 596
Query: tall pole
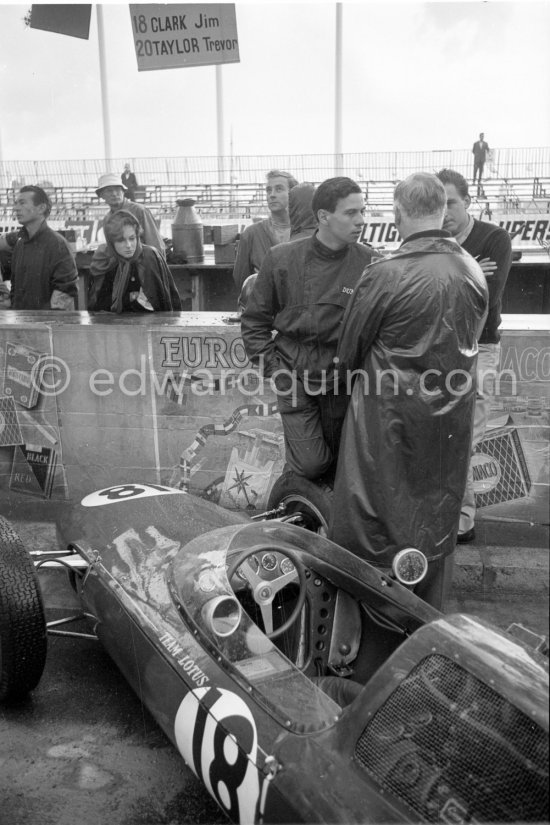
pixel 104 88
pixel 4 174
pixel 219 121
pixel 1 163
pixel 338 157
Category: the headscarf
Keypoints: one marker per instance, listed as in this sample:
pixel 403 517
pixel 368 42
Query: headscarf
pixel 125 265
pixel 302 220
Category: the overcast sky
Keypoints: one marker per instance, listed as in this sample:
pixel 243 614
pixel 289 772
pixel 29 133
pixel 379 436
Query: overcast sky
pixel 415 76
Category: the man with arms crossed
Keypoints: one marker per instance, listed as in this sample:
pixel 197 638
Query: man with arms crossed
pixel 492 247
pixel 301 292
pixel 43 268
pixel 410 336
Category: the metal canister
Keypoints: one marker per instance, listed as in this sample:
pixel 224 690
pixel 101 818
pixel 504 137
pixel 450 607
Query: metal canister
pixel 187 232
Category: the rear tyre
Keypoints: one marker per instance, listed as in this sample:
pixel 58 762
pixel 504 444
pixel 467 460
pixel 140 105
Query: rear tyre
pixel 310 500
pixel 23 640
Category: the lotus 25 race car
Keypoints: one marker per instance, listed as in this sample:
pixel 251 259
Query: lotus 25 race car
pixel 297 681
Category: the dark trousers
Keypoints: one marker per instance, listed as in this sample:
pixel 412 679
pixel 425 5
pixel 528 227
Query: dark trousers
pixel 312 426
pixel 478 169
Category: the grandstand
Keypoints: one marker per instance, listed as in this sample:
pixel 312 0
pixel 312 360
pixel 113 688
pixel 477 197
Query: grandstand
pixel 517 180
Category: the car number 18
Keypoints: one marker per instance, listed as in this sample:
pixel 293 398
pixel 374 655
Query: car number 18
pixel 216 735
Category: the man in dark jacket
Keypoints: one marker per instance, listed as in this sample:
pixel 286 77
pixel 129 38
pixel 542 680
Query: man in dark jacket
pixel 302 225
pixel 480 150
pixel 301 292
pixel 410 332
pixel 491 246
pixel 43 268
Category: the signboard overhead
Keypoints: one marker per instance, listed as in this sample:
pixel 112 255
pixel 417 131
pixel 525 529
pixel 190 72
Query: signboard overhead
pixel 171 35
pixel 63 18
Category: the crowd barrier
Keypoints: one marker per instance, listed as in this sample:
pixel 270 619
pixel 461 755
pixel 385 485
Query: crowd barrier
pixel 505 163
pixel 87 402
pixel 246 201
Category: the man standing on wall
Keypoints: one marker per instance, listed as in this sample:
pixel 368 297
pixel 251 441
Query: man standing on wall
pixel 409 343
pixel 259 237
pixel 480 150
pixel 301 293
pixel 492 247
pixel 43 268
pixel 129 181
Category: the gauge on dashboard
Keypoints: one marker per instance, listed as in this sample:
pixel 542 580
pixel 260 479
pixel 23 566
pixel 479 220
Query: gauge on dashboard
pixel 269 561
pixel 409 566
pixel 287 566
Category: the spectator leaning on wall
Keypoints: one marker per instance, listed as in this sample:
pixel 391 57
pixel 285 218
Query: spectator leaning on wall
pixel 104 263
pixel 43 269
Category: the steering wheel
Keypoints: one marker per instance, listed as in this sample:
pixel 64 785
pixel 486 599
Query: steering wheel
pixel 265 590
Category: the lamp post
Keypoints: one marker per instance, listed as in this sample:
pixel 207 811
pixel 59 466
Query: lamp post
pixel 104 86
pixel 338 157
pixel 220 123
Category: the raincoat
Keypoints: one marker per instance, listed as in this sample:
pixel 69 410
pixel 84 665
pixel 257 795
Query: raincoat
pixel 411 329
pixel 303 222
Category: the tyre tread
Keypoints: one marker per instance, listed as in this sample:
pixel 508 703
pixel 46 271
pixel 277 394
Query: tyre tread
pixel 23 635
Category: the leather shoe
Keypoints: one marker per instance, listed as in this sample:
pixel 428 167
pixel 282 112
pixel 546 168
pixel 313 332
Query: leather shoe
pixel 465 538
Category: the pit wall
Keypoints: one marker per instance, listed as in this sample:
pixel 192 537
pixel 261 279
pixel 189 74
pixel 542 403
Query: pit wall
pixel 87 402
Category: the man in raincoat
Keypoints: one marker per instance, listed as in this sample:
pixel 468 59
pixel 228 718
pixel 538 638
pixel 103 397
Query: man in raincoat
pixel 410 331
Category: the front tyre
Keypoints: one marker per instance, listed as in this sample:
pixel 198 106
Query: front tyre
pixel 22 619
pixel 302 501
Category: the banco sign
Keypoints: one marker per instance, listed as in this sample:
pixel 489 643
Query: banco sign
pixel 171 36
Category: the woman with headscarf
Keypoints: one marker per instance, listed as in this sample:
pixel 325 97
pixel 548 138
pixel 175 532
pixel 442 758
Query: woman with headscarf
pixel 142 281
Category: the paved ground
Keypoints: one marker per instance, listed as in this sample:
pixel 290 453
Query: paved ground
pixel 83 750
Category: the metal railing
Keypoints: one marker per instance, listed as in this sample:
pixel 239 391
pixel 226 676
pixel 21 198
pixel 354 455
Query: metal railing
pixel 506 163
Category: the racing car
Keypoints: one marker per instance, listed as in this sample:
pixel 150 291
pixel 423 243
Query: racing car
pixel 298 682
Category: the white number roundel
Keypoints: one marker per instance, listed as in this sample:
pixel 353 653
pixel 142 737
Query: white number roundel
pixel 123 492
pixel 216 735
